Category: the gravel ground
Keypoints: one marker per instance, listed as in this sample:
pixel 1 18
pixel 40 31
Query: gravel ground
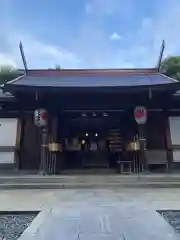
pixel 173 218
pixel 13 225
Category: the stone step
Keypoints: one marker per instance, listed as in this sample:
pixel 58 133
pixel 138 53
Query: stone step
pixel 87 186
pixel 90 179
pixel 90 185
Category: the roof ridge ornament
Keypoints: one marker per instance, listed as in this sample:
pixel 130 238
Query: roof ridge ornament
pixel 161 55
pixel 23 56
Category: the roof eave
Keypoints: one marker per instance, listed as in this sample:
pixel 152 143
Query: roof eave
pixel 169 87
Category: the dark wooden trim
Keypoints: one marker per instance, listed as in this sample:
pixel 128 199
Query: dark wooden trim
pixel 7 148
pixel 19 133
pixel 167 132
pixel 18 143
pixel 7 166
pixel 168 138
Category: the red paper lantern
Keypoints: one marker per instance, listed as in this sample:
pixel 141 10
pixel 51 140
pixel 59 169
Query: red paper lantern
pixel 40 117
pixel 140 114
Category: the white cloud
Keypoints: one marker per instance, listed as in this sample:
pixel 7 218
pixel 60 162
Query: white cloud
pixel 5 59
pixel 41 54
pixel 110 7
pixel 147 41
pixel 115 36
pixel 91 47
pixel 38 53
pixel 141 47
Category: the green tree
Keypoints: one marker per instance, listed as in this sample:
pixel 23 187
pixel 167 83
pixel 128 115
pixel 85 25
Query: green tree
pixel 171 67
pixel 7 73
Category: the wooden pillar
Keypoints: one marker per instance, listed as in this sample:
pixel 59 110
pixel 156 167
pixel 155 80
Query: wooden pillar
pixel 140 113
pixel 54 128
pixel 18 144
pixel 44 151
pixel 52 163
pixel 168 140
pixel 41 121
pixel 142 141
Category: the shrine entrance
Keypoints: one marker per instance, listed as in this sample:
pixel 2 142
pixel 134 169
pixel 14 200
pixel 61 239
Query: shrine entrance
pixel 95 139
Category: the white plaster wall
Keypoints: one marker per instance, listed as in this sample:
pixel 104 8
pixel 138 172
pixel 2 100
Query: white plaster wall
pixel 8 131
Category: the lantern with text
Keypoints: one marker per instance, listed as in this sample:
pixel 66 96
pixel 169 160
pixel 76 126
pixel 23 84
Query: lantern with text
pixel 40 118
pixel 140 114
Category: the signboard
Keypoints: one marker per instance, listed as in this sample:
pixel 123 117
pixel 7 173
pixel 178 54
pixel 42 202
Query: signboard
pixel 140 114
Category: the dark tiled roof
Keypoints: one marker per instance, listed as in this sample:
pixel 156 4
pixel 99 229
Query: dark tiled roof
pixel 92 78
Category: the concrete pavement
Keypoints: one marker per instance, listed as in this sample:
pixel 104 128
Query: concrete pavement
pixel 32 200
pixel 52 203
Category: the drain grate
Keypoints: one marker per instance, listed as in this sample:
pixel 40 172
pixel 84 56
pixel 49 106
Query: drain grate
pixel 172 217
pixel 13 224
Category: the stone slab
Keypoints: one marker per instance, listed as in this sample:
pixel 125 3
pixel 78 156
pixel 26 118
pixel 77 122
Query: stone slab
pixel 111 220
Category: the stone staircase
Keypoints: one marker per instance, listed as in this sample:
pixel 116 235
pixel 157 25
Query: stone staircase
pixel 90 181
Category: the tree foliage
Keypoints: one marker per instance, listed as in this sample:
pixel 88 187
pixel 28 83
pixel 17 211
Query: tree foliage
pixel 171 67
pixel 7 73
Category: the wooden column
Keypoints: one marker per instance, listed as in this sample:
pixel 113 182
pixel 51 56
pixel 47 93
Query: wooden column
pixel 44 151
pixel 140 113
pixel 142 142
pixel 168 140
pixel 52 163
pixel 54 128
pixel 18 144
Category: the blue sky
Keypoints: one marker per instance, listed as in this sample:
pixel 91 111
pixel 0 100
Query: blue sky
pixel 88 33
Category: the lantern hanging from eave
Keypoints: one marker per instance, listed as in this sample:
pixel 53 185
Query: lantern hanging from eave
pixel 40 117
pixel 140 114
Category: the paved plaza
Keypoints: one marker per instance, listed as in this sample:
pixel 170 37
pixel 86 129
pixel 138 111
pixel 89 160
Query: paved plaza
pixel 95 214
pixel 43 200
